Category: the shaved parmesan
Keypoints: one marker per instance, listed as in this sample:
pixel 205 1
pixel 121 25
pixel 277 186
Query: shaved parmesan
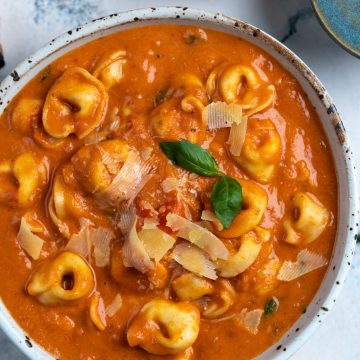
pixel 112 161
pixel 169 184
pixel 150 223
pixel 100 239
pixel 180 186
pixel 126 217
pixel 134 253
pixel 194 260
pixel 306 262
pixel 63 228
pixel 88 237
pixel 250 320
pixel 198 236
pixel 156 242
pixel 29 242
pixel 115 306
pixel 148 206
pixel 221 115
pixel 146 153
pixel 237 136
pixel 80 243
pixel 129 181
pixel 208 215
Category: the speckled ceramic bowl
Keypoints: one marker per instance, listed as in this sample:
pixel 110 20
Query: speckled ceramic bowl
pixel 340 147
pixel 341 19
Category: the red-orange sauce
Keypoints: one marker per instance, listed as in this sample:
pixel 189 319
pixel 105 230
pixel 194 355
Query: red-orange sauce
pixel 154 55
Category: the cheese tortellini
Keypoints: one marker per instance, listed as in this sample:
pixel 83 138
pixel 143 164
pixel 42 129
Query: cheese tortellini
pixel 179 116
pixel 75 104
pixel 255 201
pixel 188 287
pixel 221 300
pixel 109 69
pixel 242 85
pixel 239 261
pixel 261 277
pixel 26 112
pixel 308 221
pixel 213 298
pixel 95 165
pixel 261 151
pixel 66 278
pixel 170 327
pixel 66 206
pixel 22 180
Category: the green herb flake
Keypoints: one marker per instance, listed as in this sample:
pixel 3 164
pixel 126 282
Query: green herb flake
pixel 357 238
pixel 160 97
pixel 270 306
pixel 191 39
pixel 45 74
pixel 191 157
pixel 226 200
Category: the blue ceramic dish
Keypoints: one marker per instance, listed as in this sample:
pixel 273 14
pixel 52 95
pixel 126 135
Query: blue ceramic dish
pixel 341 19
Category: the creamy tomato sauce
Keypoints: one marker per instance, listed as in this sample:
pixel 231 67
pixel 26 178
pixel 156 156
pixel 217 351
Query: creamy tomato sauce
pixel 138 88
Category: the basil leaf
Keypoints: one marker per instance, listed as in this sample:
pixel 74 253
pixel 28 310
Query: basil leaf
pixel 270 307
pixel 226 199
pixel 191 157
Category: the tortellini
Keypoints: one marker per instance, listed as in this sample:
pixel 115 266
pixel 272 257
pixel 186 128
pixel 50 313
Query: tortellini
pixel 109 70
pixel 239 261
pixel 261 151
pixel 265 279
pixel 170 327
pixel 242 85
pixel 30 176
pixel 188 287
pixel 75 104
pixel 255 201
pixel 26 112
pixel 309 219
pixel 97 312
pixel 221 300
pixel 213 298
pixel 192 91
pixel 67 206
pixel 179 117
pixel 95 165
pixel 66 278
pixel 261 276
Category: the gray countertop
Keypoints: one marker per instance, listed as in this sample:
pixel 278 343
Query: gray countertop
pixel 25 25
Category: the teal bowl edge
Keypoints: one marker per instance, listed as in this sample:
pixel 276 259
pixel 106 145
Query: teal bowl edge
pixel 339 40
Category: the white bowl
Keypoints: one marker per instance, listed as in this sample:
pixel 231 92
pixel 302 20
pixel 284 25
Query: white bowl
pixel 339 143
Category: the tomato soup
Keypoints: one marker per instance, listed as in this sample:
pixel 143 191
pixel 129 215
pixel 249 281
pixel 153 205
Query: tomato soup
pixel 167 192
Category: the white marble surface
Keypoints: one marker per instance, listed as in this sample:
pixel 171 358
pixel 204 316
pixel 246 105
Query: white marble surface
pixel 25 25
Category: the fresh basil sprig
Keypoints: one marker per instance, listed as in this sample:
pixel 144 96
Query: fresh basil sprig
pixel 226 196
pixel 191 157
pixel 226 199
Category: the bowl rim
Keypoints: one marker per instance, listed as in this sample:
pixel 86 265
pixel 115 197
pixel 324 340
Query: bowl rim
pixel 174 14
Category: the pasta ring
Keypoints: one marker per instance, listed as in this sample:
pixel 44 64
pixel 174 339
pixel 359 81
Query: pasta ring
pixel 66 278
pixel 75 104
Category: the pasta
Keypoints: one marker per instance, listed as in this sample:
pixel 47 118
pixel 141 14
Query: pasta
pixel 181 323
pixel 160 187
pixel 30 177
pixel 261 151
pixel 308 221
pixel 66 278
